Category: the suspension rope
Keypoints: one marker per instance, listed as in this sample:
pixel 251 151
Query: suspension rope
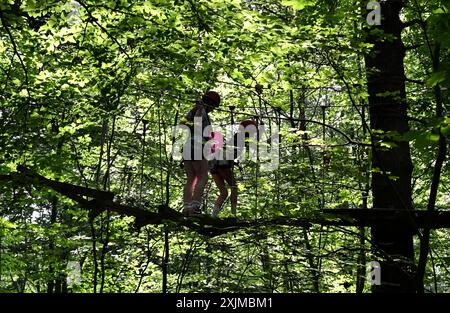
pixel 257 159
pixel 186 261
pixel 166 249
pixel 232 123
pixel 347 137
pixel 169 170
pixel 144 121
pixel 160 153
pixel 166 255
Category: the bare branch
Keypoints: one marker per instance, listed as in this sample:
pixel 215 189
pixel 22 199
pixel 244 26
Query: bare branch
pixel 413 47
pixel 209 226
pixel 419 82
pixel 16 51
pixel 94 19
pixel 413 22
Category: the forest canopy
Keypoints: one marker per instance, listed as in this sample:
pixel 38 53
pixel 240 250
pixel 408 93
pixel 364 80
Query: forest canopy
pixel 91 91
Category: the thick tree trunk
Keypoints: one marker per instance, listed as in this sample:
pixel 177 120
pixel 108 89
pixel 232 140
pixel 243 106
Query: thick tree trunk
pixel 391 180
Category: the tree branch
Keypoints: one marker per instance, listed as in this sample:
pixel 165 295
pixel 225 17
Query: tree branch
pixel 209 226
pixel 419 82
pixel 413 22
pixel 16 51
pixel 202 24
pixel 94 19
pixel 413 47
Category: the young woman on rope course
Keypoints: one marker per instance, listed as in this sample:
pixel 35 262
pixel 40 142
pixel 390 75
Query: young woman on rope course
pixel 222 170
pixel 195 163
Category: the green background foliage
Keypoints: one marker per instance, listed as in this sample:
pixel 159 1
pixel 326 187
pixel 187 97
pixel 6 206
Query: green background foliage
pixel 91 89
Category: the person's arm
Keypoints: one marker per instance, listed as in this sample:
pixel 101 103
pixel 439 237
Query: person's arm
pixel 185 120
pixel 188 119
pixel 198 110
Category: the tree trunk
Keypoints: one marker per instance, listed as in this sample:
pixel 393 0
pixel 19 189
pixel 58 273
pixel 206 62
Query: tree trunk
pixel 391 182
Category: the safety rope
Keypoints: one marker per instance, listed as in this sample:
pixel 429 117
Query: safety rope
pixel 161 184
pixel 350 141
pixel 145 122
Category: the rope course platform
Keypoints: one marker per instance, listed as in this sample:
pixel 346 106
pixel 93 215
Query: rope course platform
pixel 97 201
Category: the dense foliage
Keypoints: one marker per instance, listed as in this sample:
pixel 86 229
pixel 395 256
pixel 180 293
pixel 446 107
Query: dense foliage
pixel 90 91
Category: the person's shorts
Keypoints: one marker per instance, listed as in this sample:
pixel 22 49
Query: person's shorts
pixel 193 150
pixel 214 165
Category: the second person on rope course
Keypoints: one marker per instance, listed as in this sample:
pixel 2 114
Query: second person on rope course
pixel 222 170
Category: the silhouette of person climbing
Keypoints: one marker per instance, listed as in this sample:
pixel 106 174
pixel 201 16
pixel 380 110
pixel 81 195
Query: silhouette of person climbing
pixel 222 169
pixel 194 159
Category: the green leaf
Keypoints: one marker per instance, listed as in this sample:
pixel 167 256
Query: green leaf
pixel 297 4
pixel 388 144
pixel 436 78
pixel 4 223
pixel 433 137
pixel 411 135
pixel 445 130
pixel 425 139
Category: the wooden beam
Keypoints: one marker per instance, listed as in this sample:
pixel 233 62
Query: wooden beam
pixel 65 188
pixel 416 219
pixel 209 226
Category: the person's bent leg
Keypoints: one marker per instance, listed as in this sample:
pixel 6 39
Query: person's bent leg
pixel 231 181
pixel 201 173
pixel 223 193
pixel 189 186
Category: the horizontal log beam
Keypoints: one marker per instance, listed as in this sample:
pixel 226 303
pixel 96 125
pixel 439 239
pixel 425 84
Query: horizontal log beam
pixel 65 188
pixel 416 219
pixel 204 224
